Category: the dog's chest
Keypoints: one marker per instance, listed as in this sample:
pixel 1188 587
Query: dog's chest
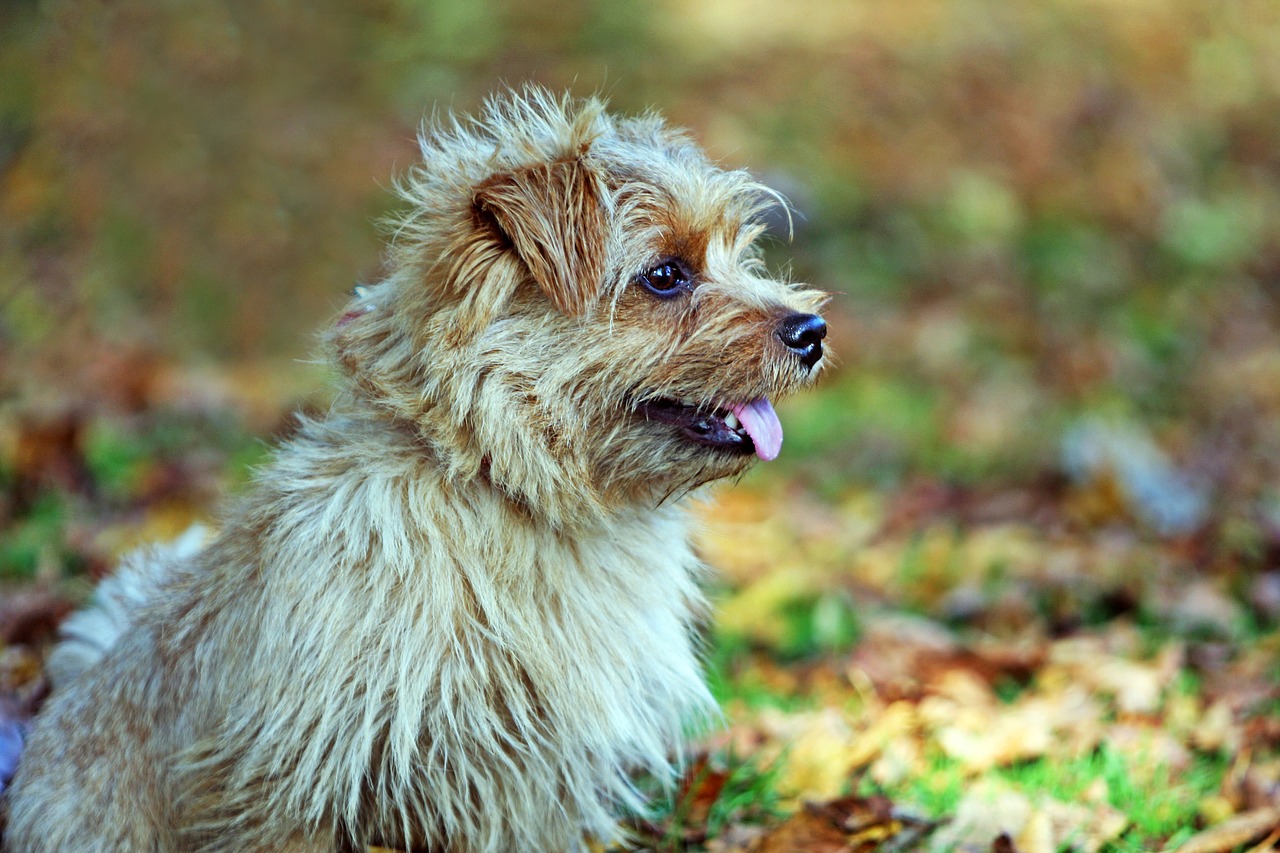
pixel 542 674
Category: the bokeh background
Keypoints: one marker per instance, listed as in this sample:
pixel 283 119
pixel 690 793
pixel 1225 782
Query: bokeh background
pixel 1052 232
pixel 1028 211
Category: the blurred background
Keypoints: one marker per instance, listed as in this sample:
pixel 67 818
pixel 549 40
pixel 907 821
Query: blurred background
pixel 1052 230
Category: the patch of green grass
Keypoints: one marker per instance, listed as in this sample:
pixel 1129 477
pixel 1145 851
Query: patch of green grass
pixel 1165 805
pixel 937 793
pixel 733 676
pixel 1158 800
pixel 1008 689
pixel 881 427
pixel 36 537
pixel 748 795
pixel 811 627
pixel 119 455
pixel 817 625
pixel 877 424
pixel 116 458
pixel 1160 803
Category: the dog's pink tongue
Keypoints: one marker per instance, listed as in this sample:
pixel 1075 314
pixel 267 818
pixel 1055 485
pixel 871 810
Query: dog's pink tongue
pixel 761 423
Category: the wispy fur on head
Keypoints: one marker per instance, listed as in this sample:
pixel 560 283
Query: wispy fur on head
pixel 457 612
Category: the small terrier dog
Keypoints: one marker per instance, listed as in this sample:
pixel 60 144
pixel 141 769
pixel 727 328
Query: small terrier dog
pixel 458 612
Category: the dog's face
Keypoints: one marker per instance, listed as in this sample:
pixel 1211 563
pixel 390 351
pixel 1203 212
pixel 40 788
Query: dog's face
pixel 579 313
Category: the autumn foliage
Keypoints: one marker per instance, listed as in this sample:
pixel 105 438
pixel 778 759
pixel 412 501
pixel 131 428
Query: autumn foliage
pixel 1014 583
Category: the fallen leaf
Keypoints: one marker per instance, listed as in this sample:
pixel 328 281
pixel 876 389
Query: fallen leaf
pixel 982 735
pixel 755 613
pixel 1038 835
pixel 737 838
pixel 31 614
pixel 852 824
pixel 1039 823
pixel 1216 730
pixel 698 792
pixel 1267 844
pixel 819 753
pixel 1003 844
pixel 1203 606
pixel 891 725
pixel 1227 836
pixel 805 832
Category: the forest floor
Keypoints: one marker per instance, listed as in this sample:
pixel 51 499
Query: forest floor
pixel 996 666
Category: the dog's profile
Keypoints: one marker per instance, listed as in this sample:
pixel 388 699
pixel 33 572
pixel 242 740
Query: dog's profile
pixel 457 613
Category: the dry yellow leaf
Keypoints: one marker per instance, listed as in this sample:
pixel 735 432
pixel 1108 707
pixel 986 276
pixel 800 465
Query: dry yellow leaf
pixel 1267 844
pixel 985 734
pixel 895 722
pixel 819 751
pixel 1038 823
pixel 755 612
pixel 1037 835
pixel 1230 834
pixel 1217 730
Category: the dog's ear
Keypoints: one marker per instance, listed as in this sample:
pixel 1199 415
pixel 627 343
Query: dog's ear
pixel 551 215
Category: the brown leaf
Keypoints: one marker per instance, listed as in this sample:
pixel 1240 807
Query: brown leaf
pixel 852 824
pixel 821 750
pixel 699 791
pixel 1003 844
pixel 30 614
pixel 855 813
pixel 1037 822
pixel 736 838
pixel 48 454
pixel 806 832
pixel 20 670
pixel 1266 845
pixel 1226 836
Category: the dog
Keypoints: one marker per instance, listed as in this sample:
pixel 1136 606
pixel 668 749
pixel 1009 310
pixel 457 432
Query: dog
pixel 459 611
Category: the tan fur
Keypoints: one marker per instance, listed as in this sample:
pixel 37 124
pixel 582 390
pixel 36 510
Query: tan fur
pixel 457 613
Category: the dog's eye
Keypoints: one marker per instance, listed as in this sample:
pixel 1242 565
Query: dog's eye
pixel 666 279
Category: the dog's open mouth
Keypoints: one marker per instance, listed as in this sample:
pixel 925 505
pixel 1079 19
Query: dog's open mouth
pixel 738 427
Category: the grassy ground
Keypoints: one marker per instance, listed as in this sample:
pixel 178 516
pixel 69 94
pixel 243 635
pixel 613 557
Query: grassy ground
pixel 923 666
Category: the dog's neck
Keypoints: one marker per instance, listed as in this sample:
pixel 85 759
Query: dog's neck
pixel 571 507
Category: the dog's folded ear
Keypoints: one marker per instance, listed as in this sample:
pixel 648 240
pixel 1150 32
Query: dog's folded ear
pixel 551 216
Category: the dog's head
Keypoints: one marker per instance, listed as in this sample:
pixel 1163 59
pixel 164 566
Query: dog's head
pixel 577 311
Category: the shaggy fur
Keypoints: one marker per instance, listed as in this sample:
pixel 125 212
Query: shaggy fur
pixel 458 612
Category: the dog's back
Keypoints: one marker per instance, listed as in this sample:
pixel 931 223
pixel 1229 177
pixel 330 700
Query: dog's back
pixel 87 634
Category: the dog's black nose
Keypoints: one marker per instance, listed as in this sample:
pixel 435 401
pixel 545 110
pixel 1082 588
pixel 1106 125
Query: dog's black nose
pixel 803 334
